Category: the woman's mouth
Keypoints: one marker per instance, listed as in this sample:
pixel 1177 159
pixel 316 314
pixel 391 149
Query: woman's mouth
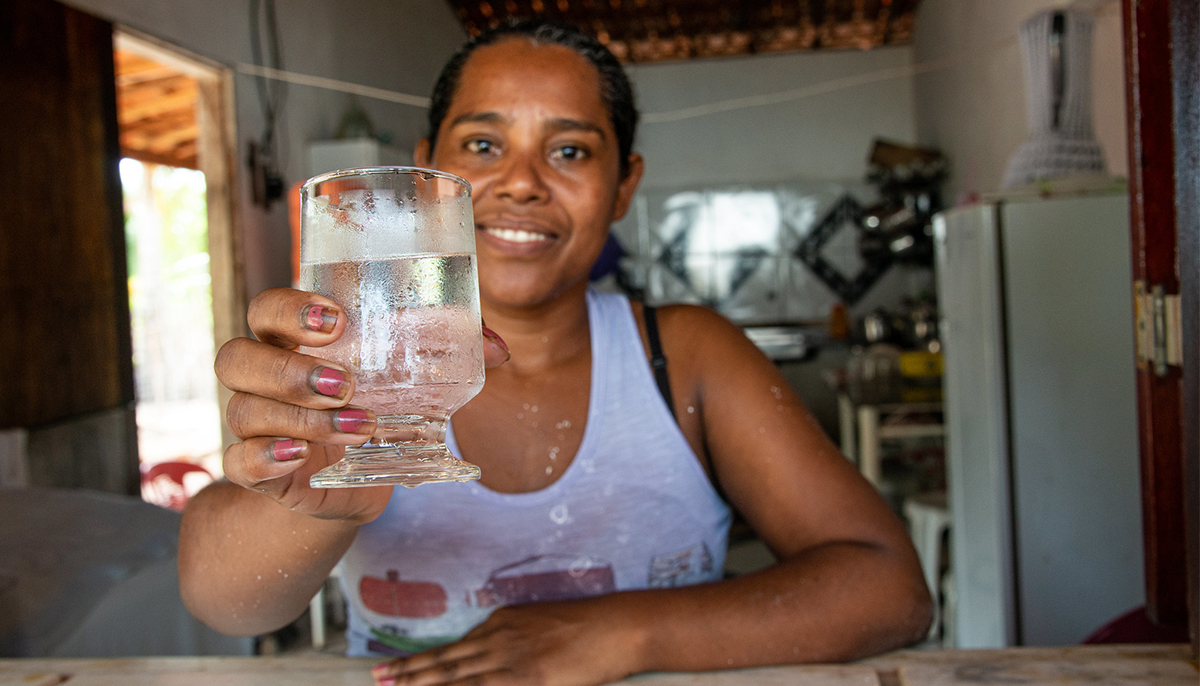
pixel 516 235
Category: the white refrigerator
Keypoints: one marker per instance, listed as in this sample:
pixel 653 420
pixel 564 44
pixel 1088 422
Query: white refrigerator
pixel 1042 450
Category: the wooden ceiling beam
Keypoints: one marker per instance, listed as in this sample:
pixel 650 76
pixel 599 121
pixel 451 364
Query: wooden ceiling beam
pixel 183 101
pixel 153 90
pixel 143 75
pixel 156 110
pixel 125 63
pixel 187 150
pixel 147 132
pixel 131 69
pixel 641 30
pixel 175 138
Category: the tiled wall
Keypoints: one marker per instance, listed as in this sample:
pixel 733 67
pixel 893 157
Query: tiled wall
pixel 738 249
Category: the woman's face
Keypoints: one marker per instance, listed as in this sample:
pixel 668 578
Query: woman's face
pixel 528 129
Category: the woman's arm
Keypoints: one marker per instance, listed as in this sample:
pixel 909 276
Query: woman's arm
pixel 847 584
pixel 249 566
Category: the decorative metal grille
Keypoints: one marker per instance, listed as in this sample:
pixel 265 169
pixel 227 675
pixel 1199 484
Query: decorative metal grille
pixel 758 255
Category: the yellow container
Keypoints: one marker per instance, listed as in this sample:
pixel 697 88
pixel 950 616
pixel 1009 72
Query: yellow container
pixel 919 364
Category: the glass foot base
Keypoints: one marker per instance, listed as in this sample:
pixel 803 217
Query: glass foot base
pixel 383 466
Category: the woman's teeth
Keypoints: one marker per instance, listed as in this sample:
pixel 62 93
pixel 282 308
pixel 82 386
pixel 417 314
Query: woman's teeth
pixel 517 235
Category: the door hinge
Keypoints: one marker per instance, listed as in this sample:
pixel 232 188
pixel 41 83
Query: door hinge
pixel 1158 319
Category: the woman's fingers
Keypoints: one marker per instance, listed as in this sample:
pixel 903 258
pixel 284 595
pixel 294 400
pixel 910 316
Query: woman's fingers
pixel 449 664
pixel 252 415
pixel 286 318
pixel 280 468
pixel 248 366
pixel 495 350
pixel 262 464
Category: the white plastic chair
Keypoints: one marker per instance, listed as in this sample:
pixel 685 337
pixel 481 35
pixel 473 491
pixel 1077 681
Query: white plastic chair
pixel 928 521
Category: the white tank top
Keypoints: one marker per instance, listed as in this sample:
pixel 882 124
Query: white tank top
pixel 633 510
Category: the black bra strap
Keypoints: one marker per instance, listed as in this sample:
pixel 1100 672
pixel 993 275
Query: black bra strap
pixel 658 361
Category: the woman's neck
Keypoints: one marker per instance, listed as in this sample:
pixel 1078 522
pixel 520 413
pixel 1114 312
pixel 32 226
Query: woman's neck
pixel 544 335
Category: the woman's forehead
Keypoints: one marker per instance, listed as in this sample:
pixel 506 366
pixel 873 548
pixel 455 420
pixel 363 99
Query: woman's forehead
pixel 517 71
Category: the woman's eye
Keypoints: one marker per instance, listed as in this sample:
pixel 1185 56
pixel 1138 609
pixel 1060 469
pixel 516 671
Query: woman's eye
pixel 481 147
pixel 569 152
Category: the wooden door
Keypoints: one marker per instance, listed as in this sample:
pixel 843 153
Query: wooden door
pixel 66 359
pixel 1185 75
pixel 1161 76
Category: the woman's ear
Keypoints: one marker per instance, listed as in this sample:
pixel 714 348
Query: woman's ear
pixel 421 156
pixel 628 185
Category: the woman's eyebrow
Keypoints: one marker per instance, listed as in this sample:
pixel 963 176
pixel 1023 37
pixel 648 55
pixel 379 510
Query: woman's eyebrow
pixel 555 125
pixel 567 124
pixel 478 118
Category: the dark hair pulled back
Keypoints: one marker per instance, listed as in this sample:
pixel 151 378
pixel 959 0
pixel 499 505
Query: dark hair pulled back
pixel 615 90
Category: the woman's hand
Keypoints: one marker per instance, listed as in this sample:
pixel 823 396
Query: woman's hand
pixel 574 643
pixel 247 567
pixel 292 410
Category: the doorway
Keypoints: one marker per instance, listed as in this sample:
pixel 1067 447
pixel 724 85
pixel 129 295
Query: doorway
pixel 184 279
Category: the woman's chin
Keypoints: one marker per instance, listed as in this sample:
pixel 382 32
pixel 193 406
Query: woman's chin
pixel 523 294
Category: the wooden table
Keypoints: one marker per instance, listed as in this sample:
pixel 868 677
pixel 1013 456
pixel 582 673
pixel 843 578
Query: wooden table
pixel 1074 666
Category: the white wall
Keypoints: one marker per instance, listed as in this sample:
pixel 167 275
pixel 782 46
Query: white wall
pixel 391 44
pixel 974 111
pixel 822 137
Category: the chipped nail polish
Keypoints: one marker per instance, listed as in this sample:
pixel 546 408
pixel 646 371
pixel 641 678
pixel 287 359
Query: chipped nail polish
pixel 320 318
pixel 330 382
pixel 350 419
pixel 286 450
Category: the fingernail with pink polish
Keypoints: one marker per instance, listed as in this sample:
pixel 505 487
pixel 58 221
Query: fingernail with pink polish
pixel 286 450
pixel 380 669
pixel 330 382
pixel 387 681
pixel 495 337
pixel 350 419
pixel 320 318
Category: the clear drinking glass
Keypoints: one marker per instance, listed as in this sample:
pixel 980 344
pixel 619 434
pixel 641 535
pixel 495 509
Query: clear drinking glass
pixel 395 248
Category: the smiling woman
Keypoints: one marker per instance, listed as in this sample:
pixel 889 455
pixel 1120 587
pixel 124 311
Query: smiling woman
pixel 593 546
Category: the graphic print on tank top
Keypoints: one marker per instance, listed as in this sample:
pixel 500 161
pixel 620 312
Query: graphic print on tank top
pixel 539 578
pixel 546 578
pixel 392 597
pixel 634 509
pixel 684 568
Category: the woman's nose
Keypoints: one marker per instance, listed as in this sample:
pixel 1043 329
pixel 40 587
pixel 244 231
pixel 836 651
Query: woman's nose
pixel 521 180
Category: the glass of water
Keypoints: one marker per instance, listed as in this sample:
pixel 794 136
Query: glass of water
pixel 395 248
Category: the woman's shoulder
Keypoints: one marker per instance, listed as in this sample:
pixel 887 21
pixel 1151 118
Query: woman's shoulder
pixel 697 339
pixel 675 321
pixel 697 324
pixel 694 338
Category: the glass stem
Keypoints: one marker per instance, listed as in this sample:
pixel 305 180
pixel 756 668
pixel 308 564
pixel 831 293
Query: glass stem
pixel 409 430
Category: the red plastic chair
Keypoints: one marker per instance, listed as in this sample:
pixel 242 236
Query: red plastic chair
pixel 1135 627
pixel 162 483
